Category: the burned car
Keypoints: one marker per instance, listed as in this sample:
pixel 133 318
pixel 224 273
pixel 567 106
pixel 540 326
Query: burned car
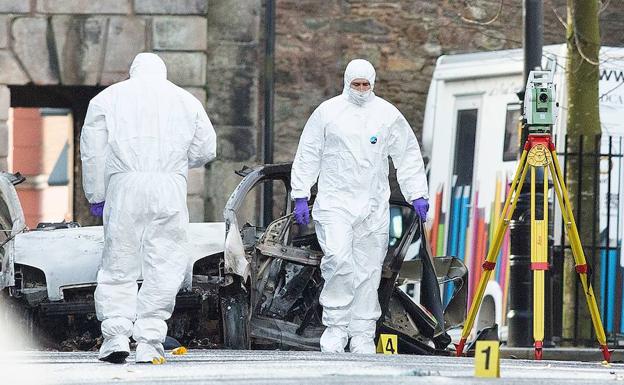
pixel 272 280
pixel 258 289
pixel 48 277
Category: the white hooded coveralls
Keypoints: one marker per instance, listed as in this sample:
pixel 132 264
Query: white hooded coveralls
pixel 139 139
pixel 345 144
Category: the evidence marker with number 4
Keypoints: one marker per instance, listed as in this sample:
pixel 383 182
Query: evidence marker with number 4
pixel 388 344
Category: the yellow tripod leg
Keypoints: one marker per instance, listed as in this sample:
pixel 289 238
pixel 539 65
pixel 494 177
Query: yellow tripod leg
pixel 492 255
pixel 579 255
pixel 539 261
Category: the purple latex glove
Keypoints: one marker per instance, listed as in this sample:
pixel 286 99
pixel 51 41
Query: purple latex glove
pixel 421 206
pixel 302 214
pixel 97 209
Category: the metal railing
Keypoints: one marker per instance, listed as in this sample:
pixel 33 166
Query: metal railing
pixel 603 158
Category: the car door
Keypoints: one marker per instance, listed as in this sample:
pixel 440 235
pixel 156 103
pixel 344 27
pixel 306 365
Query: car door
pixel 12 222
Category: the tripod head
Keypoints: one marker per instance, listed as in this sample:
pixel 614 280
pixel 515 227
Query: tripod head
pixel 540 107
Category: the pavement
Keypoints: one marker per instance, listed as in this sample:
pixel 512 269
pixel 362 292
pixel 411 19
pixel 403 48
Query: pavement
pixel 562 354
pixel 279 367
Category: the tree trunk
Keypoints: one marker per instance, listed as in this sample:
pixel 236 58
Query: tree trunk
pixel 583 121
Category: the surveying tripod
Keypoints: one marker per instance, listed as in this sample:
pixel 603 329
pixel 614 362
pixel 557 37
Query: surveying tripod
pixel 539 152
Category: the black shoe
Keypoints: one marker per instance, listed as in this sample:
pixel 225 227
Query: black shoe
pixel 116 357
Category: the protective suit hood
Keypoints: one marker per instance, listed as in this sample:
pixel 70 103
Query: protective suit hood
pixel 148 65
pixel 359 69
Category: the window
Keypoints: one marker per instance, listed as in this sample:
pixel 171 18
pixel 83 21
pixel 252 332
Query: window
pixel 401 219
pixel 511 145
pixel 465 146
pixel 249 211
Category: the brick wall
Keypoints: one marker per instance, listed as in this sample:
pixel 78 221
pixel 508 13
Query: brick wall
pixel 38 141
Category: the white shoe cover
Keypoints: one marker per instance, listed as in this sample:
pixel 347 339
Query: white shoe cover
pixel 334 339
pixel 118 344
pixel 147 352
pixel 362 345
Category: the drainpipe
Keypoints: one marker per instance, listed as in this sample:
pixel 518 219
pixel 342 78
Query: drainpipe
pixel 269 89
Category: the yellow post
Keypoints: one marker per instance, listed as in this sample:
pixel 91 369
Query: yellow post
pixel 539 260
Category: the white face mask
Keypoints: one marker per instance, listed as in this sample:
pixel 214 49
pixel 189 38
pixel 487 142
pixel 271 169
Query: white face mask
pixel 359 97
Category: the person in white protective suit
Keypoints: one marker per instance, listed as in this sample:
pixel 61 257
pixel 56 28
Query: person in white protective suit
pixel 139 139
pixel 345 144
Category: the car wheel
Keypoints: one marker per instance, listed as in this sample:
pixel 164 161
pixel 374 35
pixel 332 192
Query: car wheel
pixel 234 303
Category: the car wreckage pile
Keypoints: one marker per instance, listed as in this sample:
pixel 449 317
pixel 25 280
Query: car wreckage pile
pixel 258 289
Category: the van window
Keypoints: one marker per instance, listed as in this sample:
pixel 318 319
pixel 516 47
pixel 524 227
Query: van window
pixel 250 210
pixel 465 147
pixel 511 145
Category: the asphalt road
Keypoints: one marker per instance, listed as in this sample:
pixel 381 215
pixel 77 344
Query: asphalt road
pixel 274 367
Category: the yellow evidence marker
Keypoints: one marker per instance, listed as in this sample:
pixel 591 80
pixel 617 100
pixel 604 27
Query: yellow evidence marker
pixel 388 344
pixel 158 360
pixel 179 351
pixel 487 359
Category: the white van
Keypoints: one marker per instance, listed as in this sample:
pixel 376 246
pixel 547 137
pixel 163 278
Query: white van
pixel 470 137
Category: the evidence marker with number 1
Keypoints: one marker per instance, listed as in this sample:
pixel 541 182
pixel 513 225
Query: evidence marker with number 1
pixel 487 359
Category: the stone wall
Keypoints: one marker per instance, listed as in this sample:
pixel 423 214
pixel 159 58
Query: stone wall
pixel 92 43
pixel 5 103
pixel 234 67
pixel 402 38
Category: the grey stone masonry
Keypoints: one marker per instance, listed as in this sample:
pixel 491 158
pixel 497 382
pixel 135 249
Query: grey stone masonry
pixel 4 31
pixel 227 55
pixel 5 102
pixel 180 33
pixel 237 144
pixel 4 144
pixel 232 82
pixel 79 43
pixel 185 68
pixel 195 206
pixel 10 71
pixel 174 7
pixel 31 47
pixel 195 183
pixel 221 180
pixel 126 38
pixel 195 194
pixel 237 108
pixel 83 6
pixel 239 21
pixel 15 6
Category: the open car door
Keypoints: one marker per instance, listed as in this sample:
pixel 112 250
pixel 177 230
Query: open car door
pixel 12 222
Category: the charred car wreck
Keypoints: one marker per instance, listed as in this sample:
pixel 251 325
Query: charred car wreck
pixel 274 277
pixel 259 289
